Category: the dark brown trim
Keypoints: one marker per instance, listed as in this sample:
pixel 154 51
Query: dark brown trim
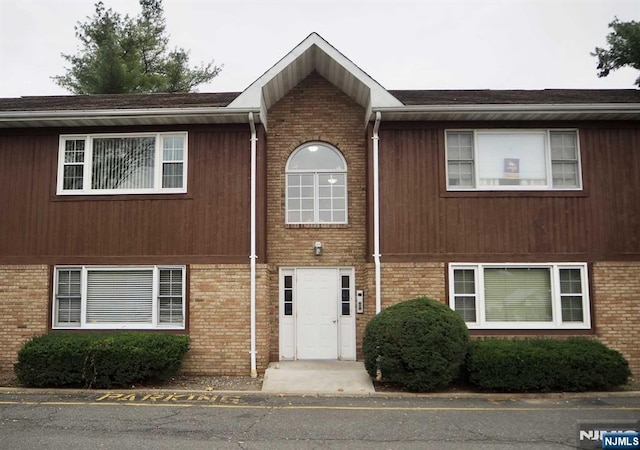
pixel 187 299
pixel 121 197
pixel 592 299
pixel 50 302
pixel 128 260
pixel 369 193
pixel 516 124
pixel 261 194
pixel 508 194
pixel 509 257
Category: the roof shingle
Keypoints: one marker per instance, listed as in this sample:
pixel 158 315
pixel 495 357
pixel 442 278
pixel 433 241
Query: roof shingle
pixel 408 97
pixel 517 97
pixel 116 101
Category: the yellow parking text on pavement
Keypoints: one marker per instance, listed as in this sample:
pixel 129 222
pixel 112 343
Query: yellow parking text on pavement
pixel 170 398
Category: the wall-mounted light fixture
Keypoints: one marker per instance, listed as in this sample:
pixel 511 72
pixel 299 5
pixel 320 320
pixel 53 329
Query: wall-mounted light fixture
pixel 317 248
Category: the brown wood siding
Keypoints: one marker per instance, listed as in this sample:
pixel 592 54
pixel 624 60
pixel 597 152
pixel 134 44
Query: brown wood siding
pixel 208 224
pixel 370 197
pixel 420 220
pixel 261 195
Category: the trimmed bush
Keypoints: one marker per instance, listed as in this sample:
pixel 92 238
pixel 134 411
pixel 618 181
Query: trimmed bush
pixel 542 365
pixel 419 344
pixel 99 360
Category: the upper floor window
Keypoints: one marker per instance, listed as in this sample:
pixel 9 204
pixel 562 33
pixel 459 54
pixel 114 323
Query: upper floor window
pixel 520 296
pixel 513 160
pixel 316 187
pixel 138 163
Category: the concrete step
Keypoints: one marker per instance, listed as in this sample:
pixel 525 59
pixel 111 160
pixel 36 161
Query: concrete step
pixel 317 377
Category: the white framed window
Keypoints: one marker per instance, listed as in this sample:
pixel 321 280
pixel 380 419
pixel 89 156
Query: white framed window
pixel 521 296
pixel 134 163
pixel 513 160
pixel 316 185
pixel 119 297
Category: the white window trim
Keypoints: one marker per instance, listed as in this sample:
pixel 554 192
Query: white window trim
pixel 88 156
pixel 84 325
pixel 547 150
pixel 316 186
pixel 556 303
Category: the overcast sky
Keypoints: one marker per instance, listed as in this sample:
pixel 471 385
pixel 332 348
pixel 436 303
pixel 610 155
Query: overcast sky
pixel 402 44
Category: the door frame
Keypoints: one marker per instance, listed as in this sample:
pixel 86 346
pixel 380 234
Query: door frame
pixel 287 315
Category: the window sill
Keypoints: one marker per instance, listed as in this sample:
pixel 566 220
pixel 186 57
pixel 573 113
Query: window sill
pixel 518 327
pixel 316 225
pixel 120 197
pixel 512 194
pixel 529 331
pixel 127 328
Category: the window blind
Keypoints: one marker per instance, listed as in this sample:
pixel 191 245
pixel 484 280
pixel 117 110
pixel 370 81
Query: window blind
pixel 123 163
pixel 123 296
pixel 515 294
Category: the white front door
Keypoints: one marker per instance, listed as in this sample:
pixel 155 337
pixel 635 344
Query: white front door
pixel 317 318
pixel 317 314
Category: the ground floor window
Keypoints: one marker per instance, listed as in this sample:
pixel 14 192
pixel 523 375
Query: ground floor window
pixel 520 296
pixel 119 297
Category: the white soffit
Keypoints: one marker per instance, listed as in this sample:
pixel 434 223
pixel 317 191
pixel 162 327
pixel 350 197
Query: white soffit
pixel 501 112
pixel 123 117
pixel 314 53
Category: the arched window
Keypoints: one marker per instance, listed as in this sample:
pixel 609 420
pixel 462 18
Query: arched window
pixel 316 190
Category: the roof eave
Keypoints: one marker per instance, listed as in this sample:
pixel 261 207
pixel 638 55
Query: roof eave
pixel 122 117
pixel 601 111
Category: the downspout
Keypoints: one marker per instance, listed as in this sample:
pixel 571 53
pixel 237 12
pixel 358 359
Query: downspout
pixel 253 256
pixel 376 211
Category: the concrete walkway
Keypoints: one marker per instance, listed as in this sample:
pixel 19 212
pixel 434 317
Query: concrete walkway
pixel 317 377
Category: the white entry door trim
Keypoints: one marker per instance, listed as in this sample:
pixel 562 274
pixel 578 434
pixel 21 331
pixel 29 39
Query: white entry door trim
pixel 317 314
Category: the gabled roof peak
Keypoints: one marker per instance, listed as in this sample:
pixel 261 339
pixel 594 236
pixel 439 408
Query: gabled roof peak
pixel 314 53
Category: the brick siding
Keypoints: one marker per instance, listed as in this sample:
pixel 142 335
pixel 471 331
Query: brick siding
pixel 315 110
pixel 24 306
pixel 404 281
pixel 616 290
pixel 220 320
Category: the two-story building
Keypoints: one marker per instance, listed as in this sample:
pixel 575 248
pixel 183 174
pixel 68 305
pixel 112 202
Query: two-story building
pixel 272 224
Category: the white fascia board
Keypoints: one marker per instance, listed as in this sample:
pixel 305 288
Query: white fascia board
pixel 106 114
pixel 559 109
pixel 251 97
pixel 380 97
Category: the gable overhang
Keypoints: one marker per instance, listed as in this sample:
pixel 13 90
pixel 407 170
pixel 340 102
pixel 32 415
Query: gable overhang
pixel 125 117
pixel 314 54
pixel 503 112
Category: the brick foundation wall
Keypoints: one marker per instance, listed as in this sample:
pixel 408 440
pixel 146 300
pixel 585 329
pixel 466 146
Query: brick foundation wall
pixel 219 320
pixel 404 281
pixel 24 311
pixel 616 291
pixel 263 317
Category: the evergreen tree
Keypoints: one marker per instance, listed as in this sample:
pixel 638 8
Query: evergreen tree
pixel 624 48
pixel 120 54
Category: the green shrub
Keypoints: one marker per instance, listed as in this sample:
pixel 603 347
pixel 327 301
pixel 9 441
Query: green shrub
pixel 99 360
pixel 539 365
pixel 419 344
